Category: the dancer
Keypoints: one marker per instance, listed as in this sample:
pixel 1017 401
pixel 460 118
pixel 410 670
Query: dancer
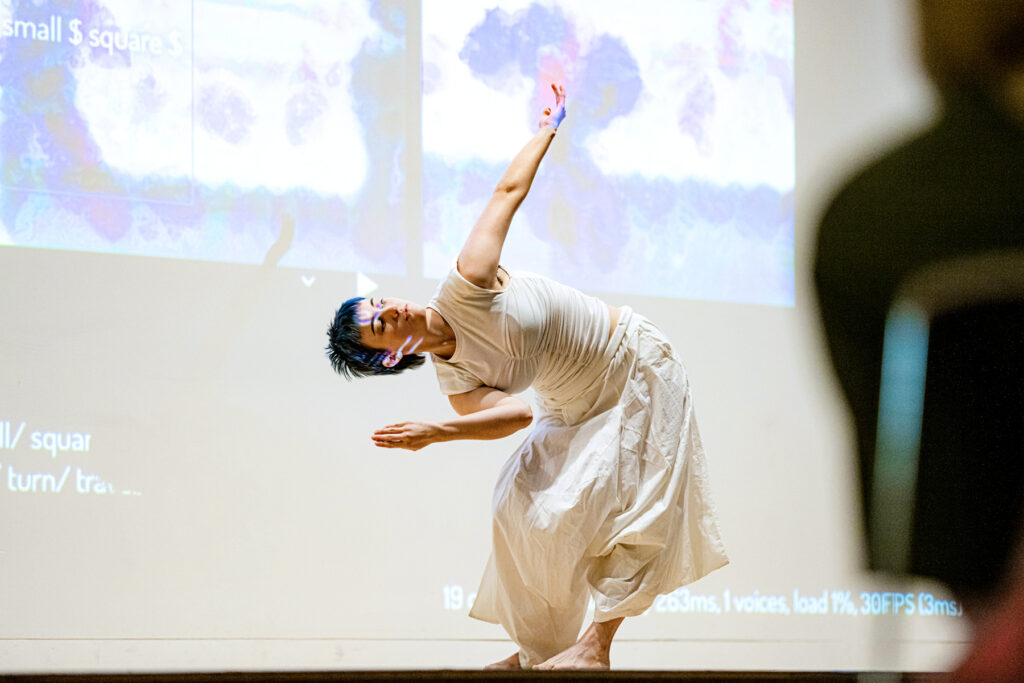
pixel 608 496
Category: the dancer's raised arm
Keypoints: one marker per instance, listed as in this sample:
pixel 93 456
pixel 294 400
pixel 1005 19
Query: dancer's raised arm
pixel 478 260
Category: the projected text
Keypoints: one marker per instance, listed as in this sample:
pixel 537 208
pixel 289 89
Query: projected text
pixel 21 471
pixel 841 602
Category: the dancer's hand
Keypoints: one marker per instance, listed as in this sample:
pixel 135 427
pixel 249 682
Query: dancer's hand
pixel 411 436
pixel 553 117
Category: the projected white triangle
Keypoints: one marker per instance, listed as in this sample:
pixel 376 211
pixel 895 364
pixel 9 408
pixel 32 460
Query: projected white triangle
pixel 364 285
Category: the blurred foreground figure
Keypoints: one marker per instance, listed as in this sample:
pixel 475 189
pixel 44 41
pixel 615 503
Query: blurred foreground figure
pixel 953 191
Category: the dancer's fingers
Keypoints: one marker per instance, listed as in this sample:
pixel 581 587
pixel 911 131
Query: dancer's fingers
pixel 559 94
pixel 394 444
pixel 408 435
pixel 389 438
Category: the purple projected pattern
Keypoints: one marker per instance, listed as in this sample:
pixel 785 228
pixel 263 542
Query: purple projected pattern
pixel 172 128
pixel 590 221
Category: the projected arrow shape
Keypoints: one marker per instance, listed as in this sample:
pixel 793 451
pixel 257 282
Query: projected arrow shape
pixel 364 285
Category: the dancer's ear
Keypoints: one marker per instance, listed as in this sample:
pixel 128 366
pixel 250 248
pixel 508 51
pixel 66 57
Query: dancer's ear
pixel 391 359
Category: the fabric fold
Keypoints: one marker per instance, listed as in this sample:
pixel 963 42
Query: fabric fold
pixel 607 498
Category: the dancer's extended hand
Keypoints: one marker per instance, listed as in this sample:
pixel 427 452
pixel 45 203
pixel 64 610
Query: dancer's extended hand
pixel 553 117
pixel 408 435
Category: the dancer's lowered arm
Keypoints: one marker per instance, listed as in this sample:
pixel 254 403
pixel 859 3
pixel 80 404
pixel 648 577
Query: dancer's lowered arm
pixel 480 255
pixel 484 413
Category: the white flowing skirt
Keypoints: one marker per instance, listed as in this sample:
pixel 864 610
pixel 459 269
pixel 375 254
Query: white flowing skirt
pixel 607 498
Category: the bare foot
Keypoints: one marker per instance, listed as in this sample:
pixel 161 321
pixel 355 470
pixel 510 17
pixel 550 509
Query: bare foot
pixel 510 663
pixel 590 651
pixel 582 655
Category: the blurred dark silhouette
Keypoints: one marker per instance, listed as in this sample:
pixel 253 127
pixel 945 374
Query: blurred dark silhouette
pixel 952 192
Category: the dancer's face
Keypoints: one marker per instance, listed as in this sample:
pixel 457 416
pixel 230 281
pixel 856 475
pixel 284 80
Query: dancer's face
pixel 391 324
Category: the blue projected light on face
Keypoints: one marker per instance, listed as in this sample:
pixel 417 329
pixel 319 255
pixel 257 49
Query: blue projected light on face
pixel 392 359
pixel 369 317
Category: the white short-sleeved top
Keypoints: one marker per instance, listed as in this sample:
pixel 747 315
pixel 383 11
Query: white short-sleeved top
pixel 534 332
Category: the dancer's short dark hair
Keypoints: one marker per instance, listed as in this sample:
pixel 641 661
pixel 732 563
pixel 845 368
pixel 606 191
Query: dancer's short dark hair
pixel 347 353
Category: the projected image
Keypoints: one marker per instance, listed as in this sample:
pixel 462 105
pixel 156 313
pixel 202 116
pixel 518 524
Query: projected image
pixel 199 129
pixel 673 173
